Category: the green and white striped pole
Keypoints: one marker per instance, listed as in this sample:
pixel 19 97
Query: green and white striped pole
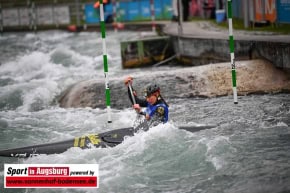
pixel 105 61
pixel 231 42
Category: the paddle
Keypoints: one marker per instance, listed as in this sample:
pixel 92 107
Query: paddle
pixel 131 92
pixel 133 98
pixel 139 123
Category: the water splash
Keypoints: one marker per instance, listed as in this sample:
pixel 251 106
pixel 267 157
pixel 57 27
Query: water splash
pixel 38 67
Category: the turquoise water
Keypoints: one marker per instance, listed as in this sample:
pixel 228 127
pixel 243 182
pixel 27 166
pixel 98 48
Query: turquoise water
pixel 248 151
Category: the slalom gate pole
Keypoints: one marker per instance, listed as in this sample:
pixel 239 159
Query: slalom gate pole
pixel 180 30
pixel 115 15
pixel 152 15
pixel 232 53
pixel 105 61
pixel 33 9
pixel 1 22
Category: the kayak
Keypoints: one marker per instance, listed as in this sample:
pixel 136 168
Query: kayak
pixel 102 140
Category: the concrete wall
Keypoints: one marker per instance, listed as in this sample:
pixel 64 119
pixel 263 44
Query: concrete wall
pixel 276 52
pixel 199 51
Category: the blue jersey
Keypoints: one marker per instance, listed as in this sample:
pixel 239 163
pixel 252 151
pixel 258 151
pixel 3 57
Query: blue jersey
pixel 159 109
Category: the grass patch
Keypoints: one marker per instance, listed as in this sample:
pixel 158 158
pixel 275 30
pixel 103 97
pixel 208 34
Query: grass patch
pixel 238 24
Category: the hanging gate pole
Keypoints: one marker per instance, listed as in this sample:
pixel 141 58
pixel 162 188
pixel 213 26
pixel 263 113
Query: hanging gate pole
pixel 152 10
pixel 1 20
pixel 231 43
pixel 105 61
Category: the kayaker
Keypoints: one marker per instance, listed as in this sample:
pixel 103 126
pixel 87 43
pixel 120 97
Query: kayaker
pixel 156 108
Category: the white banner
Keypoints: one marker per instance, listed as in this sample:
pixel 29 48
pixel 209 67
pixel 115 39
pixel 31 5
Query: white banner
pixel 10 17
pixel 24 16
pixel 51 175
pixel 61 15
pixel 44 16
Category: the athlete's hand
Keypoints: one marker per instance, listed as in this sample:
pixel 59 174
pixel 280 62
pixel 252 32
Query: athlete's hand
pixel 137 107
pixel 147 117
pixel 128 80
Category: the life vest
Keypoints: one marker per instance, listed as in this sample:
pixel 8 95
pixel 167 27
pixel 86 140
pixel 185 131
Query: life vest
pixel 151 109
pixel 97 4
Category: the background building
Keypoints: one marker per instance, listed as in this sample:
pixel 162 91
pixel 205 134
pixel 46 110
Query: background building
pixel 36 14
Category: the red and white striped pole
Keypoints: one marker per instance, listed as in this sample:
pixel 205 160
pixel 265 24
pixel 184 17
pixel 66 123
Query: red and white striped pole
pixel 115 15
pixel 152 15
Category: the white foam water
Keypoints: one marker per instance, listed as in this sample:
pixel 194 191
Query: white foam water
pixel 248 151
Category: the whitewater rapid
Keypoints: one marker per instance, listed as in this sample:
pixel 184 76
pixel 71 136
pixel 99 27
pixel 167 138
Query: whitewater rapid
pixel 248 151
